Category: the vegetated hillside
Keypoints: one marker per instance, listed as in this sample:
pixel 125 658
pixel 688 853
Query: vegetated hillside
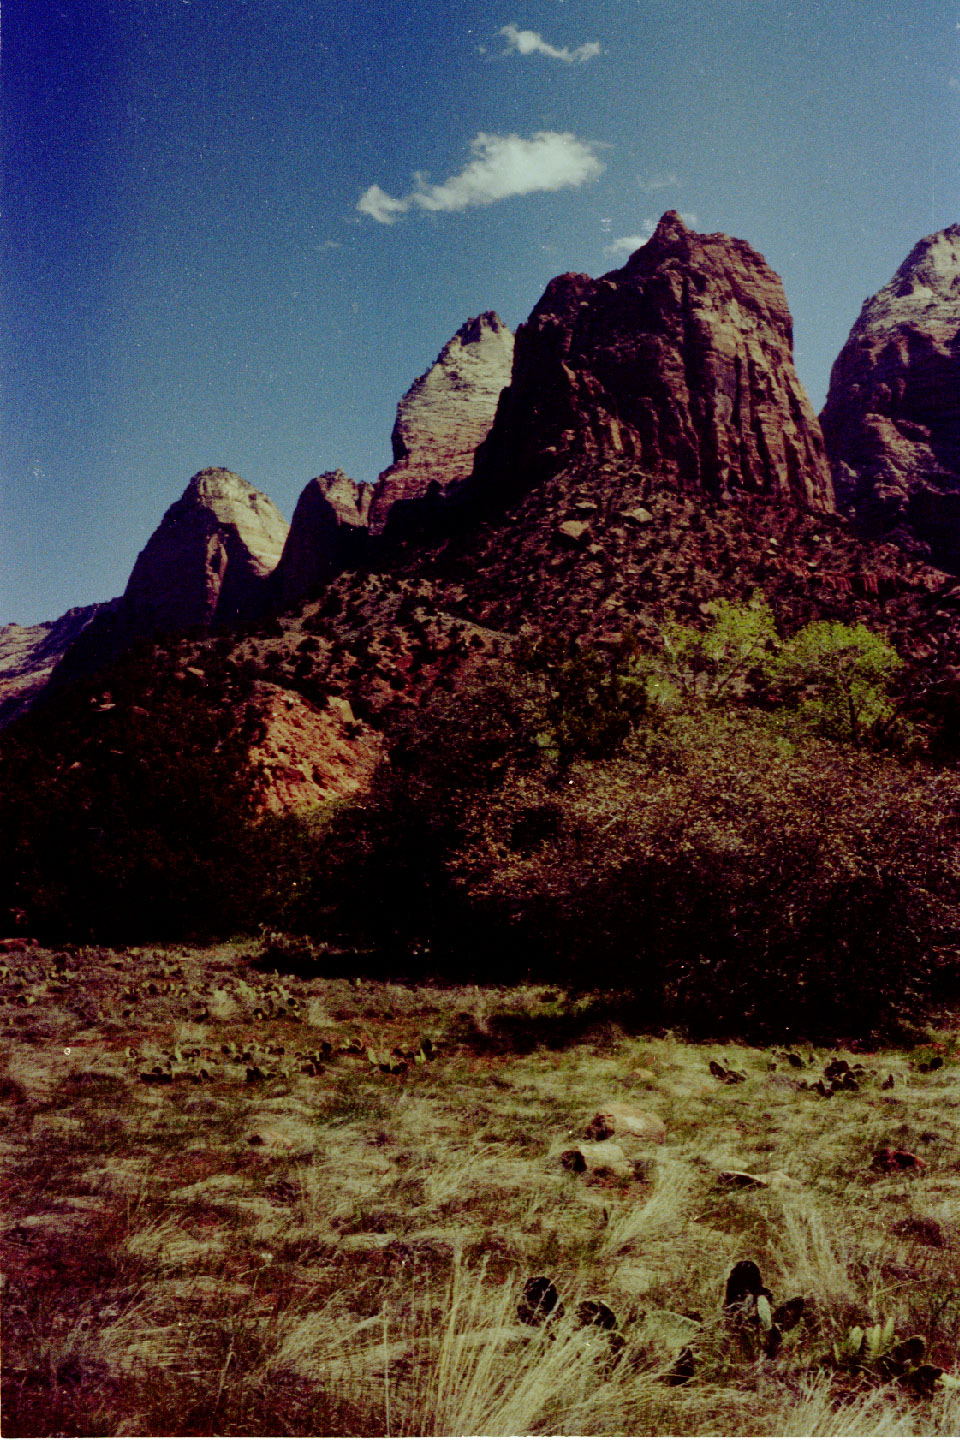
pixel 520 755
pixel 693 850
pixel 682 822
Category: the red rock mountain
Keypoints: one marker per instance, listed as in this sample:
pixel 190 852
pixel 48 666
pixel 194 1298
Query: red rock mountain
pixel 29 653
pixel 444 416
pixel 207 560
pixel 679 364
pixel 327 535
pixel 892 417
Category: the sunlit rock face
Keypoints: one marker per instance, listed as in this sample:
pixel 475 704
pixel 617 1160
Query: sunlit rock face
pixel 680 363
pixel 327 534
pixel 208 558
pixel 444 416
pixel 304 755
pixel 892 417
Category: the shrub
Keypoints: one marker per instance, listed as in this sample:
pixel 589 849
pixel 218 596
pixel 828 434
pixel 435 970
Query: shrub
pixel 839 677
pixel 123 812
pixel 729 881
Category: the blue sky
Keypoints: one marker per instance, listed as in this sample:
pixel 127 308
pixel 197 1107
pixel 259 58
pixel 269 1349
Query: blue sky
pixel 234 231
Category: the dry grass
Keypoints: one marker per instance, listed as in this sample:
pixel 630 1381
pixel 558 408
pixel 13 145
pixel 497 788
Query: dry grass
pixel 220 1216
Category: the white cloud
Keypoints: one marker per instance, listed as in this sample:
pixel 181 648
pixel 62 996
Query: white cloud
pixel 380 206
pixel 528 42
pixel 502 166
pixel 626 244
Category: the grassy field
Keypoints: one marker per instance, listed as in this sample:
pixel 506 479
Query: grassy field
pixel 242 1203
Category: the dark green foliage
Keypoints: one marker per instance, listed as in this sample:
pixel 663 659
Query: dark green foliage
pixel 724 878
pixel 122 814
pixel 590 700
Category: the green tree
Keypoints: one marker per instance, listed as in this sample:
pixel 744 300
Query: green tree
pixel 717 662
pixel 589 699
pixel 839 677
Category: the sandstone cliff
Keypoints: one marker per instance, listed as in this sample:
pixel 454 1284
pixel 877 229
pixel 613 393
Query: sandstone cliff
pixel 680 364
pixel 327 534
pixel 444 416
pixel 892 417
pixel 207 559
pixel 208 562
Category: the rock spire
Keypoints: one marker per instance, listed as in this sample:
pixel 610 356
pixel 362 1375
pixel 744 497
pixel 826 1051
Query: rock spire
pixel 892 417
pixel 207 560
pixel 444 416
pixel 680 363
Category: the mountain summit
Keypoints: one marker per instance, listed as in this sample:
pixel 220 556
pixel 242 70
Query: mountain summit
pixel 892 417
pixel 208 556
pixel 679 363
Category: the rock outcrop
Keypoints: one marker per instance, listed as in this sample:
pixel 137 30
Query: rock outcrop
pixel 208 558
pixel 892 417
pixel 680 364
pixel 328 534
pixel 444 416
pixel 209 562
pixel 305 756
pixel 29 653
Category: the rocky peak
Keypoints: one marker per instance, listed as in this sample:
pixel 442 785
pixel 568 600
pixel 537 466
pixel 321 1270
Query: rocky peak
pixel 924 291
pixel 327 534
pixel 892 417
pixel 680 363
pixel 208 557
pixel 445 414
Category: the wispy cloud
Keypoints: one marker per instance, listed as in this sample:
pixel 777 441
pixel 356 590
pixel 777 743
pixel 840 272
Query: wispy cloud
pixel 502 166
pixel 528 42
pixel 626 244
pixel 380 206
pixel 649 185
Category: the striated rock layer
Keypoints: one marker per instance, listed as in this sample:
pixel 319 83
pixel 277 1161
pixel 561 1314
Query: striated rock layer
pixel 444 416
pixel 680 364
pixel 304 755
pixel 207 560
pixel 892 417
pixel 327 534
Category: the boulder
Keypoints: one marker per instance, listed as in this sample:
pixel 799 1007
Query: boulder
pixel 616 1118
pixel 597 1157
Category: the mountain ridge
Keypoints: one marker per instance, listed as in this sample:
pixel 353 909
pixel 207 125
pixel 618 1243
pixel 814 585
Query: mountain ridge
pixel 637 403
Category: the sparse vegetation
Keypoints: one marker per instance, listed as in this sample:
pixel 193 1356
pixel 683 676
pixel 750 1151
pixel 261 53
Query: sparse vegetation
pixel 222 1217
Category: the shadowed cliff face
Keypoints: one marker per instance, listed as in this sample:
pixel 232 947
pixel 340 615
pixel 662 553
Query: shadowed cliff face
pixel 327 534
pixel 680 363
pixel 29 653
pixel 892 417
